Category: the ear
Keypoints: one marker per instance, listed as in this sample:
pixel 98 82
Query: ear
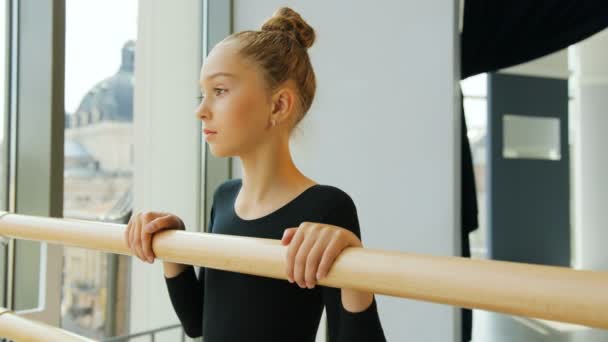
pixel 283 104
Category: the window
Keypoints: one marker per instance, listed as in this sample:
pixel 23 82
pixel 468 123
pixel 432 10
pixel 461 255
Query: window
pixel 528 137
pixel 475 101
pixel 4 22
pixel 98 167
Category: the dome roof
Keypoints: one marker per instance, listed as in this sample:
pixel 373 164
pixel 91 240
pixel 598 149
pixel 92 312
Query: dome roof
pixel 112 98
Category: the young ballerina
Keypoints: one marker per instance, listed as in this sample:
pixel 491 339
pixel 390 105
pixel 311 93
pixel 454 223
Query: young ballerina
pixel 257 86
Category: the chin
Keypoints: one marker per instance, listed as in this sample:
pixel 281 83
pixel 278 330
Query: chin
pixel 219 152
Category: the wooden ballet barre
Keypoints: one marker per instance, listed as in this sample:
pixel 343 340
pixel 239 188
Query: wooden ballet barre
pixel 547 292
pixel 20 329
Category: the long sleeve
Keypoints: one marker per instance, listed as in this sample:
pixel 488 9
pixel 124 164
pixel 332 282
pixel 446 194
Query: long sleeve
pixel 499 34
pixel 345 326
pixel 186 292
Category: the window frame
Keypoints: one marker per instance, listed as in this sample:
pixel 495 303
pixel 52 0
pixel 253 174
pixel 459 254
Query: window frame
pixel 36 152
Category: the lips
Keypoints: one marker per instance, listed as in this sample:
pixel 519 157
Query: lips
pixel 208 131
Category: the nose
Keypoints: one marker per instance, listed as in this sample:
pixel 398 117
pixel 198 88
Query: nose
pixel 202 111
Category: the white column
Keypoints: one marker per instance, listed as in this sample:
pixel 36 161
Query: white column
pixel 589 61
pixel 167 140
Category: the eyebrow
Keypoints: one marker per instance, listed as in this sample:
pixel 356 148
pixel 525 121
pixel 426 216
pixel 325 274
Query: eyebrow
pixel 218 74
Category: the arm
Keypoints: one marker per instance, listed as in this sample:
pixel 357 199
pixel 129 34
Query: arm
pixel 346 326
pixel 351 315
pixel 498 34
pixel 313 247
pixel 186 292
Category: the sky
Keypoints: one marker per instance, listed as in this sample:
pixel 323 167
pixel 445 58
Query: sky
pixel 96 30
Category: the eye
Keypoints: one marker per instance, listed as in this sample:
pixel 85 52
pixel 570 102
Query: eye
pixel 219 91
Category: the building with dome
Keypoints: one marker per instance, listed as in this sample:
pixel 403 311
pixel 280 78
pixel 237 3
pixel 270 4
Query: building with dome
pixel 103 122
pixel 99 145
pixel 98 152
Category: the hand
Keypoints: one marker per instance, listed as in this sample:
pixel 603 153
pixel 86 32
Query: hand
pixel 141 228
pixel 313 248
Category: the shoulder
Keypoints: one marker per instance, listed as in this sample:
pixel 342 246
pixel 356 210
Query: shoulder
pixel 333 197
pixel 336 205
pixel 228 186
pixel 226 191
pixel 338 208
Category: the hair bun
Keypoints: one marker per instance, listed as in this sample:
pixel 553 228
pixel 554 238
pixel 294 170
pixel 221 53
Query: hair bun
pixel 289 21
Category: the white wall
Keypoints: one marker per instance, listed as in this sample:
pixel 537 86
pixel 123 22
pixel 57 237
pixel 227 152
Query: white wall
pixel 590 88
pixel 167 139
pixel 384 128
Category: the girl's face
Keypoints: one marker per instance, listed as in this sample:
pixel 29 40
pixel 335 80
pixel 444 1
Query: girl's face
pixel 235 106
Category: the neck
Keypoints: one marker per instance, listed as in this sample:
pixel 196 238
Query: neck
pixel 268 171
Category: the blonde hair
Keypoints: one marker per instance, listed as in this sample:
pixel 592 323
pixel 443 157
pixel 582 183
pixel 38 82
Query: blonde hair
pixel 280 48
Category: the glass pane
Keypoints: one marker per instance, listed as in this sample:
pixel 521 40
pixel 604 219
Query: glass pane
pixel 99 81
pixel 476 113
pixel 3 136
pixel 531 137
pixel 475 86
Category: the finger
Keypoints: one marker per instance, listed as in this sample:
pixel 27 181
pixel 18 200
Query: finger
pixel 299 267
pixel 146 244
pixel 163 222
pixel 314 257
pixel 288 235
pixel 334 248
pixel 127 240
pixel 137 236
pixel 132 235
pixel 292 250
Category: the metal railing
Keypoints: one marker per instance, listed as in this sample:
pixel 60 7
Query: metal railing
pixel 547 292
pixel 20 329
pixel 150 333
